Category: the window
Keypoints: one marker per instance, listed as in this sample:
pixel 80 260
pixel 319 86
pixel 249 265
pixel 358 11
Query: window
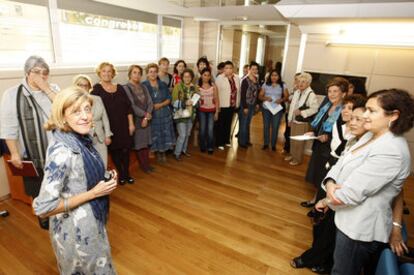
pixel 86 38
pixel 24 31
pixel 83 32
pixel 171 38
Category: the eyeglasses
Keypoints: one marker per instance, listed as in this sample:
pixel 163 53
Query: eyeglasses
pixel 40 71
pixel 83 85
pixel 87 111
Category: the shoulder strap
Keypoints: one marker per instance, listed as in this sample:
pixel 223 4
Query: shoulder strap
pixel 20 119
pixel 306 100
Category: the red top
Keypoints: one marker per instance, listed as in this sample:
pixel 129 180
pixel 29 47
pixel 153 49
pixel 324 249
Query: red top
pixel 233 94
pixel 207 103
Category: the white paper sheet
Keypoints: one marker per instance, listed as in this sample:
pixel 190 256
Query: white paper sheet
pixel 195 98
pixel 273 107
pixel 303 137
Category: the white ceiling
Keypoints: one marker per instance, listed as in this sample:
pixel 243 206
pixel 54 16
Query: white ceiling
pixel 225 13
pixel 296 11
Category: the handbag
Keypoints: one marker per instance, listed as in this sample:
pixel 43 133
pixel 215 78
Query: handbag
pixel 180 112
pixel 305 106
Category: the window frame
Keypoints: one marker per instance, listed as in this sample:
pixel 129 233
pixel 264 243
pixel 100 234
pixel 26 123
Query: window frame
pixel 56 47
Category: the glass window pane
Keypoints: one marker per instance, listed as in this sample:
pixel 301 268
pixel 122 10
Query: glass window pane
pixel 24 31
pixel 171 40
pixel 89 38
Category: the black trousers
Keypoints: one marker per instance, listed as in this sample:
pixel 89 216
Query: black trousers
pixel 32 184
pixel 32 188
pixel 224 126
pixel 120 157
pixel 323 245
pixel 286 134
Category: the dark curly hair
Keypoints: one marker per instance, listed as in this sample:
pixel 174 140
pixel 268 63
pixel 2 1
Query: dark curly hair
pixel 358 101
pixel 176 64
pixel 392 100
pixel 200 80
pixel 188 71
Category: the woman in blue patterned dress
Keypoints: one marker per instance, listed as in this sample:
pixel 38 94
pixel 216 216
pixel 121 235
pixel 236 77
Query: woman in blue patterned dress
pixel 162 129
pixel 73 193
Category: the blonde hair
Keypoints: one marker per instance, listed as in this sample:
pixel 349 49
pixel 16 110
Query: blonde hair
pixel 104 64
pixel 78 78
pixel 306 76
pixel 149 66
pixel 72 96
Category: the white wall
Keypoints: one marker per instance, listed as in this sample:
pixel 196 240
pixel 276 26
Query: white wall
pixel 291 53
pixel 384 68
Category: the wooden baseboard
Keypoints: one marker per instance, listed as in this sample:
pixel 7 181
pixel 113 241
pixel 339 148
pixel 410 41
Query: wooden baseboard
pixel 5 197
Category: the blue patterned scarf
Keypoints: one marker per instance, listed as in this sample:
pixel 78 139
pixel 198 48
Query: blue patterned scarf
pixel 94 170
pixel 330 121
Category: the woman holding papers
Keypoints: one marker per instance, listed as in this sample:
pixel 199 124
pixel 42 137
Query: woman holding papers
pixel 208 110
pixel 273 93
pixel 303 107
pixel 322 127
pixel 184 111
pixel 74 194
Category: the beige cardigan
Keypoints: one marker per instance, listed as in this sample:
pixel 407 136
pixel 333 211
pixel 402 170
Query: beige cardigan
pixel 224 90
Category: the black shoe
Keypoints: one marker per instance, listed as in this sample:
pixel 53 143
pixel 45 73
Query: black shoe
pixel 265 147
pixel 297 263
pixel 311 214
pixel 130 180
pixel 320 270
pixel 122 182
pixel 307 204
pixel 274 148
pixel 202 150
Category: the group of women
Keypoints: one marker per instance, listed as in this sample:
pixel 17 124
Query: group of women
pixel 359 164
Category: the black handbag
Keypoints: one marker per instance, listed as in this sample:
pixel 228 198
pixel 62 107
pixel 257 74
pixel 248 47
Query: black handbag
pixel 44 223
pixel 305 106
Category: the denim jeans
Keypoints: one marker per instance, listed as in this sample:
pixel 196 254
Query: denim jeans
pixel 351 256
pixel 184 132
pixel 244 124
pixel 270 120
pixel 206 131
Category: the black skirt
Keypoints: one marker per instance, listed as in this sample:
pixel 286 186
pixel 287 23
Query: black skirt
pixel 317 171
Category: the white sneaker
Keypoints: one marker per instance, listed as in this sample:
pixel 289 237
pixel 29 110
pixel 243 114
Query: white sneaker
pixel 221 148
pixel 228 145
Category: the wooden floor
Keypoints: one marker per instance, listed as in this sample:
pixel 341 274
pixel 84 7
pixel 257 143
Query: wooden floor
pixel 235 212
